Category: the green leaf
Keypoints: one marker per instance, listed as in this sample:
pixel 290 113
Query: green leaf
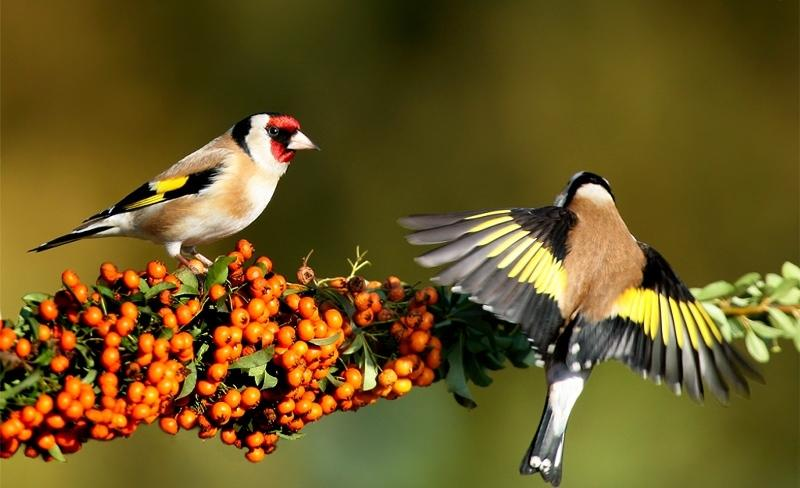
pixel 105 291
pixel 326 340
pixel 773 280
pixel 187 277
pixel 258 358
pixel 756 347
pixel 792 297
pixel 333 380
pixel 781 321
pixel 218 272
pixel 185 290
pixel 716 313
pixel 262 379
pixel 358 343
pixel 155 290
pixel 35 298
pixel 717 289
pixel 764 330
pixel 190 381
pixel 725 330
pixel 746 280
pixel 55 451
pixel 370 372
pixel 737 330
pixel 23 385
pixel 291 437
pixel 790 270
pixel 456 378
pixel 783 288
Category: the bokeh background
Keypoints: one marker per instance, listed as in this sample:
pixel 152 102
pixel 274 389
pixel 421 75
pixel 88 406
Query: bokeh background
pixel 689 109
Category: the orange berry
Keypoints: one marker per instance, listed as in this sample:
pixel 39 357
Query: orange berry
pixel 187 418
pixel 255 455
pixel 184 314
pixel 46 442
pixel 140 411
pixel 251 397
pixel 216 292
pixel 239 317
pixel 161 348
pixel 69 278
pixel 354 377
pixel 217 371
pixel 286 336
pixel 232 397
pixel 403 367
pixel 7 339
pixel 286 407
pixel 328 404
pixel 221 412
pixel 253 333
pixel 156 269
pixel 109 272
pixel 295 377
pixel 68 340
pixel 222 335
pixel 418 340
pixel 333 318
pixel 364 317
pixel 23 348
pixel 130 310
pixel 48 310
pixel 131 279
pixel 244 247
pixel 253 273
pixel 434 358
pixel 305 330
pixel 168 425
pixel 44 404
pixel 256 308
pixel 293 301
pixel 146 342
pixel 44 333
pixel 228 436
pixel 402 386
pixel 59 364
pixel 425 378
pixel 112 339
pixel 110 359
pixel 344 392
pixel 307 307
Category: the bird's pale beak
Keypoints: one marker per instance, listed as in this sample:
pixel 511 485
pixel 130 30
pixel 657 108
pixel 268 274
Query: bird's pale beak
pixel 300 141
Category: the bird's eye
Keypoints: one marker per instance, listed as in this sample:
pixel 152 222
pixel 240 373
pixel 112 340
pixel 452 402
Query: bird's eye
pixel 273 131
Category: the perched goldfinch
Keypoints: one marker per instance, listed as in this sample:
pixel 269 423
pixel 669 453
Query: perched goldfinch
pixel 583 290
pixel 212 193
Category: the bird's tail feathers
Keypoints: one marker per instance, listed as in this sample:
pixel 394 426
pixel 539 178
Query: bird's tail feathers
pixel 545 452
pixel 80 233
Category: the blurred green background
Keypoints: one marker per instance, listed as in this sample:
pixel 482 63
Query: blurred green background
pixel 690 110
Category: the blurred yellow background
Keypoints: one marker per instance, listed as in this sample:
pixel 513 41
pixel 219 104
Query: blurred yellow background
pixel 691 111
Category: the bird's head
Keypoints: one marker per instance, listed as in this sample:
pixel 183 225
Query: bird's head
pixel 271 139
pixel 586 185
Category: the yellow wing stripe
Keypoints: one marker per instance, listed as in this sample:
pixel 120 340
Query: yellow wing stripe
pixel 170 184
pixel 490 223
pixel 663 306
pixel 675 313
pixel 652 317
pixel 145 201
pixel 513 255
pixel 534 261
pixel 701 324
pixel 486 214
pixel 500 249
pixel 690 325
pixel 711 324
pixel 523 261
pixel 498 234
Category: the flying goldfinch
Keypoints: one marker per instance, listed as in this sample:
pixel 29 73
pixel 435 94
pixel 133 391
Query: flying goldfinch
pixel 583 290
pixel 210 194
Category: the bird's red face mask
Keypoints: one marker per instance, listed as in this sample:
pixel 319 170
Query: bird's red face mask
pixel 286 138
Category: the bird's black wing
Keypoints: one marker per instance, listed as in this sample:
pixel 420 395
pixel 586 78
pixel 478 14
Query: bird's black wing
pixel 159 191
pixel 508 260
pixel 663 332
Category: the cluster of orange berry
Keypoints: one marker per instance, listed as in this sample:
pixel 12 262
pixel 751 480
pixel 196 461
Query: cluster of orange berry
pixel 240 353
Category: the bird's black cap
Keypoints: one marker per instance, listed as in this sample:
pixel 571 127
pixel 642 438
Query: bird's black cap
pixel 577 181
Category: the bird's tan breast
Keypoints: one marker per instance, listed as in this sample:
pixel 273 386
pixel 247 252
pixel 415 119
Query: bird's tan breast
pixel 603 260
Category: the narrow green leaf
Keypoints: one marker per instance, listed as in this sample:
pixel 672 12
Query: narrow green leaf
pixel 291 437
pixel 155 290
pixel 737 330
pixel 370 372
pixel 333 380
pixel 725 330
pixel 781 321
pixel 773 280
pixel 790 270
pixel 765 331
pixel 105 291
pixel 756 347
pixel 358 343
pixel 746 280
pixel 190 381
pixel 783 288
pixel 792 297
pixel 218 272
pixel 456 378
pixel 23 385
pixel 258 358
pixel 55 451
pixel 717 289
pixel 326 340
pixel 716 313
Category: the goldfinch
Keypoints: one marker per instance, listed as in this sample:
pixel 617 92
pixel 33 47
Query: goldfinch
pixel 583 290
pixel 210 194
